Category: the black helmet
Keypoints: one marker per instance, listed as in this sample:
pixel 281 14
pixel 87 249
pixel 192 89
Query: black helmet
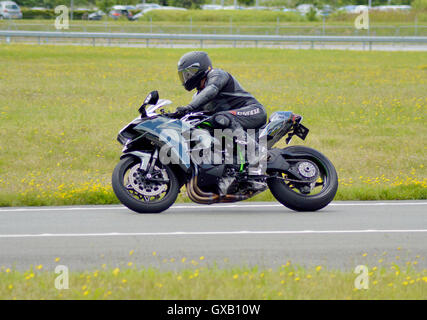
pixel 192 67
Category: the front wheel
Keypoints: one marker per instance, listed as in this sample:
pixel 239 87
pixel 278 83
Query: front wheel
pixel 309 184
pixel 144 192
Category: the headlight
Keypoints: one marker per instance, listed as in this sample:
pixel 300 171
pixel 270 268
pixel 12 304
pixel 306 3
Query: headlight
pixel 122 139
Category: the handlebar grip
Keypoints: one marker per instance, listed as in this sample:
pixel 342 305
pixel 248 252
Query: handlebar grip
pixel 171 115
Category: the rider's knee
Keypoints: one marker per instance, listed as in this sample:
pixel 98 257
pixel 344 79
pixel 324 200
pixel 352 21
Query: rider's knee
pixel 223 120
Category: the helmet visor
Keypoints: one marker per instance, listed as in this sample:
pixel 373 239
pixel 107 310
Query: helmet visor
pixel 188 73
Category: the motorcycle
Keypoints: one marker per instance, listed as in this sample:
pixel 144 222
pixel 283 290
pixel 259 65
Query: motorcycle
pixel 299 177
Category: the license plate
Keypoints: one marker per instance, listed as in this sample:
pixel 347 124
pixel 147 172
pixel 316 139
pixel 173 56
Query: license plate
pixel 301 131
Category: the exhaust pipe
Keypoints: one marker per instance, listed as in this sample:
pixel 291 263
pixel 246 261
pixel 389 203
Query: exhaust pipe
pixel 199 196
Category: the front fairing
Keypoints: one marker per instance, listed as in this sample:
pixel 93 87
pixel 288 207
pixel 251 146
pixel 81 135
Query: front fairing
pixel 169 132
pixel 128 133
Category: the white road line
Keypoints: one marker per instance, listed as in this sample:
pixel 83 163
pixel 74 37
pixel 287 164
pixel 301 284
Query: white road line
pixel 205 233
pixel 198 207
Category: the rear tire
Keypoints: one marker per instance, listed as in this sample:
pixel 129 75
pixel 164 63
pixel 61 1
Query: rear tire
pixel 134 204
pixel 300 202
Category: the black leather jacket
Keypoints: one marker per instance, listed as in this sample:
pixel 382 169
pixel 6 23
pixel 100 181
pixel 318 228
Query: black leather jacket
pixel 221 92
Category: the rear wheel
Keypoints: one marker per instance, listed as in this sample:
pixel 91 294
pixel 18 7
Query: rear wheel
pixel 141 191
pixel 309 185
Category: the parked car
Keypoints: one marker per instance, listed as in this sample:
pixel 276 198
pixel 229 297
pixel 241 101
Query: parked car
pixel 10 10
pixel 96 15
pixel 120 11
pixel 142 6
pixel 392 8
pixel 119 7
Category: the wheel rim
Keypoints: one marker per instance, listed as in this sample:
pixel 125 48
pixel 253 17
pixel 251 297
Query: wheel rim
pixel 146 187
pixel 307 189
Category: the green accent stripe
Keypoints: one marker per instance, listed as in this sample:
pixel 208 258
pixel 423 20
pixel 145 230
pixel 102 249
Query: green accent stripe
pixel 242 158
pixel 207 123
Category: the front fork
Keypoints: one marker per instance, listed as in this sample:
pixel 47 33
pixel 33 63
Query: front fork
pixel 148 160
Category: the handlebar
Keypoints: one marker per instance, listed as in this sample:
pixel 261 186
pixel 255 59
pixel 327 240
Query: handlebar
pixel 173 115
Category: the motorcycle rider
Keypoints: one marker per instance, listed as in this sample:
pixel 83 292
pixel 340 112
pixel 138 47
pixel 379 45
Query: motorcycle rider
pixel 220 93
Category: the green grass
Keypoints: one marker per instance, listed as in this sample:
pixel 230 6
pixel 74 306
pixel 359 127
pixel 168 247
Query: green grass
pixel 273 16
pixel 223 16
pixel 286 282
pixel 62 106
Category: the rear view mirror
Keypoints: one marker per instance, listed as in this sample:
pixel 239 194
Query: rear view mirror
pixel 152 98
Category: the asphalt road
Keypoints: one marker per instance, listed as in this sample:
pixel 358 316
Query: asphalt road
pixel 341 236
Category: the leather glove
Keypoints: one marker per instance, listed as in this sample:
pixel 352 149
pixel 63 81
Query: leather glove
pixel 180 111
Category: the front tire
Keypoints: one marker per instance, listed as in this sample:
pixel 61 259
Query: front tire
pixel 286 194
pixel 140 204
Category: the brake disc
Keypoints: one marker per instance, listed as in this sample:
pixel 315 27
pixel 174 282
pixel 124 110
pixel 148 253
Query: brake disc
pixel 144 187
pixel 310 171
pixel 307 169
